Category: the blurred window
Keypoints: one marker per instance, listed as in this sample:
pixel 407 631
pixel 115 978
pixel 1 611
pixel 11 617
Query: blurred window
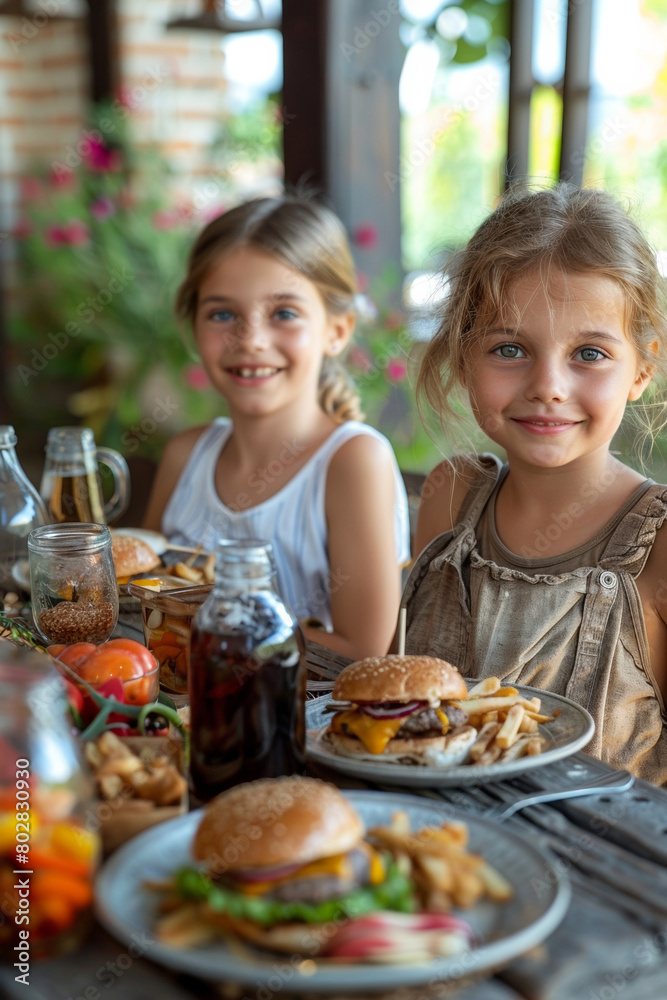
pixel 627 142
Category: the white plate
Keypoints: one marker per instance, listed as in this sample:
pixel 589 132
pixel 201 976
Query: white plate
pixel 157 541
pixel 503 930
pixel 571 730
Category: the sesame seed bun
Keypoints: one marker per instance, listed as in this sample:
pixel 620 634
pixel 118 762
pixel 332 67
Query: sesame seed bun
pixel 276 821
pixel 399 678
pixel 132 555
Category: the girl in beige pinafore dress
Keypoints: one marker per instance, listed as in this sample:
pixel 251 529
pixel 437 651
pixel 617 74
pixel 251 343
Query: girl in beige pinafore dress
pixel 565 618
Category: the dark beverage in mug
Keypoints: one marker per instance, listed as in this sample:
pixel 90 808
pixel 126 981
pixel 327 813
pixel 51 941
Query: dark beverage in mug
pixel 247 697
pixel 76 497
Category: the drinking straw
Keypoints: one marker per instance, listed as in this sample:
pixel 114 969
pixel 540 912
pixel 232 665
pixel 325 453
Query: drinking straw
pixel 402 619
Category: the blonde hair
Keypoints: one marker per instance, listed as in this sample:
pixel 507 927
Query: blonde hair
pixel 572 229
pixel 309 239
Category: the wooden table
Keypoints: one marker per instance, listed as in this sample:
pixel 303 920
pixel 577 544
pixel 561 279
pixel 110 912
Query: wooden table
pixel 611 944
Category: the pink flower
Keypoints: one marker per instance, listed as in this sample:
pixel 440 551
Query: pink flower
pixel 362 281
pixel 396 369
pixel 31 188
pixel 22 229
pixel 366 236
pixel 164 219
pixel 56 235
pixel 100 158
pixel 74 234
pixel 125 98
pixel 62 177
pixel 209 214
pixel 102 208
pixel 393 320
pixel 77 233
pixel 359 358
pixel 196 377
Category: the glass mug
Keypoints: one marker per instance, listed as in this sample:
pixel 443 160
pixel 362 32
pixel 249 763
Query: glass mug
pixel 71 486
pixel 47 843
pixel 73 583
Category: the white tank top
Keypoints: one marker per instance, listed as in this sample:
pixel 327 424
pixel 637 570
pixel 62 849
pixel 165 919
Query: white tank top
pixel 293 519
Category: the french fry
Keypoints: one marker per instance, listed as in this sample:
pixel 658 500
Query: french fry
pixel 489 717
pixel 190 561
pixel 539 718
pixel 438 870
pixel 400 822
pixel 506 692
pixel 528 725
pixel 490 756
pixel 480 706
pixel 208 568
pixel 454 834
pixel 497 887
pixel 185 928
pixel 186 572
pixel 518 749
pixel 468 887
pixel 534 745
pixel 510 727
pixel 487 733
pixel 486 687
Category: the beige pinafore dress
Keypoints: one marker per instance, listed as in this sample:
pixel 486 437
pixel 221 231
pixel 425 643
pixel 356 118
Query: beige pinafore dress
pixel 572 624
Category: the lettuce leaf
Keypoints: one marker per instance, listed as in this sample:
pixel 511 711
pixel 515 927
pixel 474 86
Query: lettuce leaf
pixel 395 893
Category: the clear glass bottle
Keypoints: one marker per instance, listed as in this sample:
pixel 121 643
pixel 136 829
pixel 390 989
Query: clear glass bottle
pixel 21 510
pixel 247 677
pixel 48 852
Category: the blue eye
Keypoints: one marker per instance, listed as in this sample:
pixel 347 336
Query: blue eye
pixel 222 315
pixel 285 314
pixel 591 354
pixel 508 351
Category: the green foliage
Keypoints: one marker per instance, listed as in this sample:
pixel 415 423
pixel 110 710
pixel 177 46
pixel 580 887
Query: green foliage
pixel 383 361
pixel 101 253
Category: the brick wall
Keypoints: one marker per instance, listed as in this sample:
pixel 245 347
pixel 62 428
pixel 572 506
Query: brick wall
pixel 173 80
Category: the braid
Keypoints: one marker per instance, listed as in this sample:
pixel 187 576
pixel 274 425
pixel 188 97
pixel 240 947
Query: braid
pixel 337 394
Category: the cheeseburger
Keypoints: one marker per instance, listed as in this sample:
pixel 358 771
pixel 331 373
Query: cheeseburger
pixel 282 859
pixel 400 707
pixel 132 555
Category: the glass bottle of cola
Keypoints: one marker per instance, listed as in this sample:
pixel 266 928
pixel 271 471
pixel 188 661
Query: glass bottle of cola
pixel 247 678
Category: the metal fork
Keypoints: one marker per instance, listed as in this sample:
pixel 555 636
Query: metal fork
pixel 616 781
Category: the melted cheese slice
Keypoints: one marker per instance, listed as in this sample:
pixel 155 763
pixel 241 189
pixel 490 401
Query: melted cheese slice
pixel 373 733
pixel 338 865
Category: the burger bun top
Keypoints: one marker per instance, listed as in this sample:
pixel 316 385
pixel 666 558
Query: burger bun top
pixel 273 822
pixel 399 678
pixel 132 555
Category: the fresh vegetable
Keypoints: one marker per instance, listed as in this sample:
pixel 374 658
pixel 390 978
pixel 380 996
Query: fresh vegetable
pixel 395 893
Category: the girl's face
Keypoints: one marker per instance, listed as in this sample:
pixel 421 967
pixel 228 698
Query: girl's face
pixel 262 330
pixel 551 375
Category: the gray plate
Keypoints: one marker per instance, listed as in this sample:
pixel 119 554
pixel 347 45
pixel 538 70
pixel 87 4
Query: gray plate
pixel 503 930
pixel 571 730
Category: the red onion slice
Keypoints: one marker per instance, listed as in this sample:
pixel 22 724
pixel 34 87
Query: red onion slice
pixel 265 874
pixel 382 710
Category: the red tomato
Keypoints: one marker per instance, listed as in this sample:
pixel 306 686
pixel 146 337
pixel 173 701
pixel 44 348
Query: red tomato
pixel 74 696
pixel 122 658
pixel 73 656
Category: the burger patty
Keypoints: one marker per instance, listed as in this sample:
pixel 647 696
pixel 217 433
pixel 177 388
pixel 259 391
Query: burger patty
pixel 426 721
pixel 323 887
